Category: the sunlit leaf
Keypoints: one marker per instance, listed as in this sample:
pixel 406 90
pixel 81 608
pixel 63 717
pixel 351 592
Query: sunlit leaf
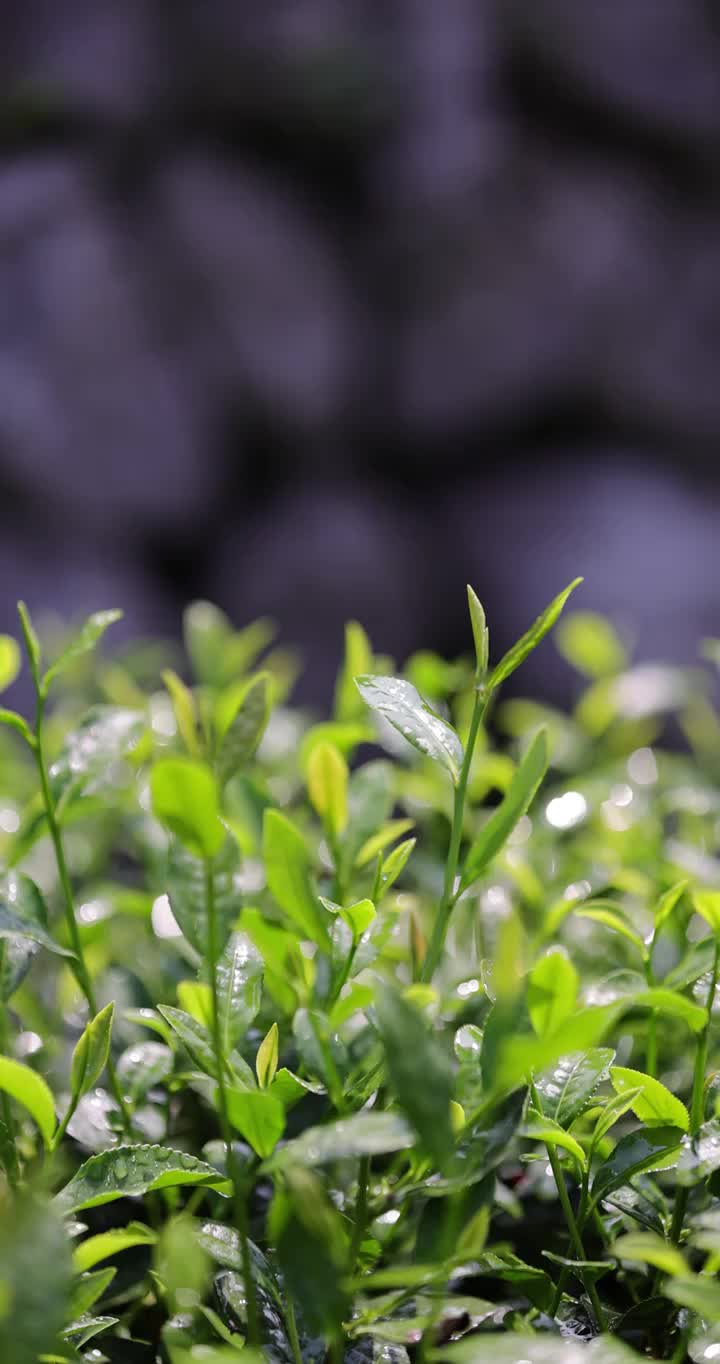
pixel 91 632
pixel 532 637
pixel 28 1088
pixel 515 803
pixel 654 1105
pixel 185 799
pixel 400 703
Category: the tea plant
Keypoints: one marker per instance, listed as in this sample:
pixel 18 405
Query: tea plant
pixel 385 1037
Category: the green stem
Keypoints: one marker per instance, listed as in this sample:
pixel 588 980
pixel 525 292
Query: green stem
pixel 651 1054
pixel 448 899
pixel 575 1237
pixel 698 1098
pixel 8 1148
pixel 239 1207
pixel 291 1323
pixel 361 1211
pixel 79 964
pixel 60 1133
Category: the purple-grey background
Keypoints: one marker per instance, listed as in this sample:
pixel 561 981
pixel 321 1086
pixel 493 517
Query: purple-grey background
pixel 320 308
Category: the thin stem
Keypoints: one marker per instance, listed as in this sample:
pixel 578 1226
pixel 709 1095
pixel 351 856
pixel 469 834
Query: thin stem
pixel 8 1149
pixel 60 1133
pixel 291 1323
pixel 698 1097
pixel 79 964
pixel 239 1208
pixel 361 1211
pixel 651 1054
pixel 447 901
pixel 575 1237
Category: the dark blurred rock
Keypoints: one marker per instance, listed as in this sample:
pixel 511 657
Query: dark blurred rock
pixel 652 62
pixel 93 416
pixel 268 312
pixel 319 557
pixel 97 58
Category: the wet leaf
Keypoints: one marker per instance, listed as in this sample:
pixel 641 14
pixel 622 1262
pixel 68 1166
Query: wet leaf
pixel 419 1072
pixel 90 634
pixel 400 703
pixel 128 1171
pixel 91 1053
pixel 567 1088
pixel 654 1105
pixel 515 803
pixel 287 866
pixel 363 1134
pixel 654 1148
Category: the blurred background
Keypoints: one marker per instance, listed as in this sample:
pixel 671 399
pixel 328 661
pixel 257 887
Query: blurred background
pixel 322 308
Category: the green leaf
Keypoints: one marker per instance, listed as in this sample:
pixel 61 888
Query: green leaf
pixel 614 1108
pixel 567 1088
pixel 515 1347
pixel 239 988
pixel 241 718
pixel 530 640
pixel 419 1072
pixel 35 1280
pixel 187 892
pixel 480 633
pixel 194 1036
pixel 10 660
pixel 91 632
pixel 142 1067
pixel 667 902
pixel 327 782
pixel 378 842
pixel 540 1128
pixel 700 1156
pixel 109 1243
pixel 344 736
pixel 700 1294
pixel 195 997
pixel 89 761
pixel 513 806
pixel 12 720
pixel 654 1105
pixel 91 1052
pixel 667 1002
pixel 185 799
pixel 311 1246
pixel 258 1116
pixel 609 916
pixel 88 1289
pixel 707 904
pixel 400 703
pixel 591 644
pixel 181 1264
pixel 521 1054
pixel 358 660
pixel 698 959
pixel 23 913
pixel 552 991
pixel 394 864
pixel 655 1148
pixel 359 917
pixel 183 704
pixel 363 1134
pixel 129 1171
pixel 266 1060
pixel 29 1089
pixel 287 866
pixel 290 1088
pixel 32 643
pixel 650 1249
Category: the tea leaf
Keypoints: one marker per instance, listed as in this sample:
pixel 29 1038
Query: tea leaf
pixel 29 1089
pixel 654 1105
pixel 91 1052
pixel 91 632
pixel 358 660
pixel 128 1171
pixel 241 725
pixel 183 704
pixel 515 803
pixel 287 866
pixel 187 892
pixel 700 1294
pixel 492 1347
pixel 379 841
pixel 364 1134
pixel 97 1248
pixel 23 913
pixel 89 762
pixel 667 903
pixel 185 799
pixel 650 1249
pixel 566 1089
pixel 327 780
pixel 532 637
pixel 194 1036
pixel 394 864
pixel 480 633
pixel 359 917
pixel 12 720
pixel 312 1249
pixel 655 1148
pixel 400 703
pixel 10 660
pixel 540 1128
pixel 707 904
pixel 552 991
pixel 142 1067
pixel 258 1116
pixel 35 1277
pixel 266 1060
pixel 239 988
pixel 419 1072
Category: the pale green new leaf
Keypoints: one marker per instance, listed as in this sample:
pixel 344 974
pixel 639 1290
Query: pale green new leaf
pixel 654 1105
pixel 532 637
pixel 28 1088
pixel 91 632
pixel 513 806
pixel 400 703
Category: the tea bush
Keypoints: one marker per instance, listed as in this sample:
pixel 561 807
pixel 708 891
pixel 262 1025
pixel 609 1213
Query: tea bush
pixel 374 1038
